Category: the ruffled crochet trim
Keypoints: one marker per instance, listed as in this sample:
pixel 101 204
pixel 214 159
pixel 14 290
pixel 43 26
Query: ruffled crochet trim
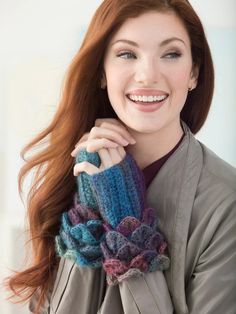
pixel 133 248
pixel 160 262
pixel 80 236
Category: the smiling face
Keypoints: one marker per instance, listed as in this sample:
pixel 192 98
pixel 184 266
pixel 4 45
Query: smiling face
pixel 148 69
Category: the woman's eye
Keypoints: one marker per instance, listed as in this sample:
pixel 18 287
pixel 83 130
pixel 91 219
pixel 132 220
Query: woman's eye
pixel 126 55
pixel 172 55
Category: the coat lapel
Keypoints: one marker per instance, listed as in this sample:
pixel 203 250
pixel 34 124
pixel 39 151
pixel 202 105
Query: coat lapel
pixel 172 194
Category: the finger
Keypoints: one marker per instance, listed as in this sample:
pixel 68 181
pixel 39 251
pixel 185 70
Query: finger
pixel 114 155
pixel 93 145
pixel 115 125
pixel 121 152
pixel 98 122
pixel 111 134
pixel 106 160
pixel 85 167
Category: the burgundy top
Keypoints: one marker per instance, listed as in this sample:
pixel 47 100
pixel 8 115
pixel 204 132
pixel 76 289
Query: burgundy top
pixel 151 170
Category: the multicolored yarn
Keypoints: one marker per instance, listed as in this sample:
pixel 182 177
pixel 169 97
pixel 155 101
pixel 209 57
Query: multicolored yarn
pixel 120 191
pixel 80 235
pixel 109 224
pixel 82 229
pixel 133 248
pixel 132 244
pixel 85 193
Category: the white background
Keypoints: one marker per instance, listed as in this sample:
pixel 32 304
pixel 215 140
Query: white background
pixel 37 42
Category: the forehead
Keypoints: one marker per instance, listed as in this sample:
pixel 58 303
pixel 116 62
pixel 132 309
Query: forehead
pixel 153 26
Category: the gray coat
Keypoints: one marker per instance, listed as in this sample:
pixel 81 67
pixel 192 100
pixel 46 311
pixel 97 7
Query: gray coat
pixel 194 195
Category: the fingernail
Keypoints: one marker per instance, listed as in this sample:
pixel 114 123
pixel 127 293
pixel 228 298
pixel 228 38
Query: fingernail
pixel 132 141
pixel 124 142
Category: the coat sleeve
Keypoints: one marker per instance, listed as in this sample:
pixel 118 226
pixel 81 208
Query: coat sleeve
pixel 76 289
pixel 212 286
pixel 147 294
pixel 45 309
pixel 80 290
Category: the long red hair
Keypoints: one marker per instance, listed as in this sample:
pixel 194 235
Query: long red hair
pixel 82 102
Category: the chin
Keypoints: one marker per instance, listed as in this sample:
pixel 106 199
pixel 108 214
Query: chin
pixel 142 128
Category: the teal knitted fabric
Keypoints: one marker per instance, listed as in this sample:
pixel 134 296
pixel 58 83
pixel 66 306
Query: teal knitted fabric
pixel 132 244
pixel 82 229
pixel 80 236
pixel 119 191
pixel 86 195
pixel 118 231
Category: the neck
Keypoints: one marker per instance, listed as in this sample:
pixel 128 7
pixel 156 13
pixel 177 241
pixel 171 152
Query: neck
pixel 150 147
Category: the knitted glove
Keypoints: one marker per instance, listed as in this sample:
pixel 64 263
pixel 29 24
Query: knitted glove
pixel 81 226
pixel 132 244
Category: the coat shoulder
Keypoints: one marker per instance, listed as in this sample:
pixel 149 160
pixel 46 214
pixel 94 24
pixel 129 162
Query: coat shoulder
pixel 220 171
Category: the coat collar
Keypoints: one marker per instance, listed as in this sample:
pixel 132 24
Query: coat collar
pixel 172 193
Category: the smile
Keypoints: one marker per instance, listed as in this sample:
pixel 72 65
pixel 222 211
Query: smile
pixel 147 99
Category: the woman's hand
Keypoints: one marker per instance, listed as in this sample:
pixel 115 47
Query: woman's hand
pixel 107 133
pixel 108 138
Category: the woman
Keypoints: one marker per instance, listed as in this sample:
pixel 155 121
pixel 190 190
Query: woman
pixel 140 87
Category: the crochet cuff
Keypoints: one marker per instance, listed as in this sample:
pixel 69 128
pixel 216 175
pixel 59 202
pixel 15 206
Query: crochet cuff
pixel 80 236
pixel 134 247
pixel 120 191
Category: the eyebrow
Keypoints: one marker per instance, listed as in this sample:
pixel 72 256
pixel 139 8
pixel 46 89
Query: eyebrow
pixel 163 43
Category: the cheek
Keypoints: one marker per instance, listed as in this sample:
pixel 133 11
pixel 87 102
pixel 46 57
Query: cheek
pixel 117 73
pixel 182 79
pixel 114 91
pixel 116 81
pixel 179 76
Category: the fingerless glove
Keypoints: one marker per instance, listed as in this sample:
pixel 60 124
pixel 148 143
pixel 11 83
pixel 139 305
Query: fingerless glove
pixel 82 228
pixel 109 223
pixel 132 243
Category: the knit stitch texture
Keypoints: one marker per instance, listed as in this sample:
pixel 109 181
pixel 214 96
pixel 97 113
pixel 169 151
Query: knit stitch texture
pixel 120 232
pixel 133 248
pixel 80 235
pixel 120 191
pixel 85 193
pixel 82 229
pixel 132 245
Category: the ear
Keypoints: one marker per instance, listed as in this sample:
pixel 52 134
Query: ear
pixel 103 80
pixel 194 76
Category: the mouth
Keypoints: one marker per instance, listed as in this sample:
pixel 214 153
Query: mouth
pixel 147 103
pixel 146 100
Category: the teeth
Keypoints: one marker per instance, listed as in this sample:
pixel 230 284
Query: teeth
pixel 147 98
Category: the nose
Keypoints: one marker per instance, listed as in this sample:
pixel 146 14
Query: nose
pixel 147 72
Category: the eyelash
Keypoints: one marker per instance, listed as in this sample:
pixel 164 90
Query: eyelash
pixel 125 53
pixel 174 55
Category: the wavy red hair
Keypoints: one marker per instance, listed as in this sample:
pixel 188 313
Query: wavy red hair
pixel 82 102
